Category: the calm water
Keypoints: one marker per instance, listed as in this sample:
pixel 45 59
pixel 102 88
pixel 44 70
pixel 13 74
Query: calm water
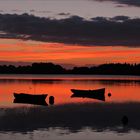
pixel 123 88
pixel 70 118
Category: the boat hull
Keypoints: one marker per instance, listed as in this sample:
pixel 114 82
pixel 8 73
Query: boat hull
pixel 30 99
pixel 95 94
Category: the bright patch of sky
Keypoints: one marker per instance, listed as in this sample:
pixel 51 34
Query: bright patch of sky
pixel 32 51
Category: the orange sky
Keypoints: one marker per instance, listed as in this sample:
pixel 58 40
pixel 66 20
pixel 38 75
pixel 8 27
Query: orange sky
pixel 32 51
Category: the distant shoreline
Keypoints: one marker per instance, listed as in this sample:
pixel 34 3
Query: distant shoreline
pixel 53 69
pixel 68 74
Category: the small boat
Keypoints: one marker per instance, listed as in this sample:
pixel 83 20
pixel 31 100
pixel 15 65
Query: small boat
pixel 30 96
pixel 38 99
pixel 21 101
pixel 95 94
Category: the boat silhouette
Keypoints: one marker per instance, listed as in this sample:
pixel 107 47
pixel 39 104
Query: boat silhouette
pixel 98 94
pixel 38 99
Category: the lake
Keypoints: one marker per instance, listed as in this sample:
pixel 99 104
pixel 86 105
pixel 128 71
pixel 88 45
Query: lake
pixel 70 118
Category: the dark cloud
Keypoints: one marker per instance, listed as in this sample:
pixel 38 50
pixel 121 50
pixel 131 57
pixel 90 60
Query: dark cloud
pixel 120 18
pixel 119 30
pixel 64 14
pixel 120 6
pixel 127 2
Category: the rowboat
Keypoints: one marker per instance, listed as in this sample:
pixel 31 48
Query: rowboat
pixel 30 96
pixel 21 101
pixel 95 94
pixel 38 99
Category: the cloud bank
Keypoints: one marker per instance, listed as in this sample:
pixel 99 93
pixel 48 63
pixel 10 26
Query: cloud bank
pixel 119 30
pixel 127 2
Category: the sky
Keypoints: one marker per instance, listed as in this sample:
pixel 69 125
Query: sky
pixel 84 8
pixel 80 32
pixel 60 53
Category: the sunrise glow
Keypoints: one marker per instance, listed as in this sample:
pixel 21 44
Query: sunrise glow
pixel 32 51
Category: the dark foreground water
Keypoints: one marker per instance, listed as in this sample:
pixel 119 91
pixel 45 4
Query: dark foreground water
pixel 70 118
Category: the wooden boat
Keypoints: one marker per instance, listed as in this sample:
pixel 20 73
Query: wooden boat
pixel 95 94
pixel 23 101
pixel 37 99
pixel 30 98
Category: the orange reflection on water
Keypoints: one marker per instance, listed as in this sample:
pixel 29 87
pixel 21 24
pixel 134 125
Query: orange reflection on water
pixel 126 90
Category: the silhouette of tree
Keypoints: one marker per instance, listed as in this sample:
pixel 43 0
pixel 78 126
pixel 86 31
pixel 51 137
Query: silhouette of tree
pixel 50 68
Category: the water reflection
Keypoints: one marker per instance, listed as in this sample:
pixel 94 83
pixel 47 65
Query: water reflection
pixel 70 118
pixel 121 88
pixel 111 82
pixel 21 101
pixel 101 98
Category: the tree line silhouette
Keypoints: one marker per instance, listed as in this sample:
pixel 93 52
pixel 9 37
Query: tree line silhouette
pixel 50 68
